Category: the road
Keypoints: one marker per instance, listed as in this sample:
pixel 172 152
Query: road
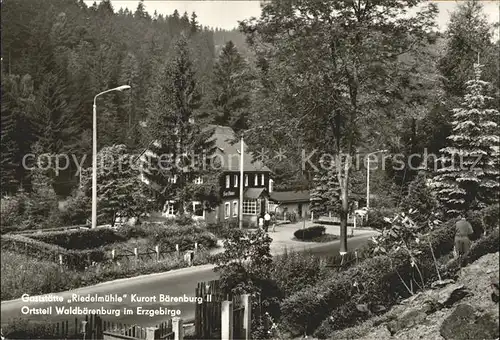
pixel 176 283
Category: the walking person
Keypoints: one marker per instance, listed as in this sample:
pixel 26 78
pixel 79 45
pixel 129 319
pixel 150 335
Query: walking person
pixel 463 231
pixel 267 221
pixel 273 222
pixel 261 221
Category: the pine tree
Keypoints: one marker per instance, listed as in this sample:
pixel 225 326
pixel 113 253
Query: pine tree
pixel 50 116
pixel 469 178
pixel 231 89
pixel 16 136
pixel 195 26
pixel 325 195
pixel 177 135
pixel 469 33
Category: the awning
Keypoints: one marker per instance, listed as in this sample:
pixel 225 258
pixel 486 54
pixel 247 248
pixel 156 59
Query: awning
pixel 254 193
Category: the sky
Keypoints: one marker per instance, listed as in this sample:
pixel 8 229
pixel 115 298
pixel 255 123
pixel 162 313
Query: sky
pixel 226 14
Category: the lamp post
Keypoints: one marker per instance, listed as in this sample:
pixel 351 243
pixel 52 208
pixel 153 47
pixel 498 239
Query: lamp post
pixel 94 152
pixel 368 177
pixel 242 155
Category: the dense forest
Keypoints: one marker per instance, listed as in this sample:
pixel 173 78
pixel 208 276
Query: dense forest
pixel 268 75
pixel 57 55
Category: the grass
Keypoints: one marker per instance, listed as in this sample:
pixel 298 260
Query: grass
pixel 22 274
pixel 322 239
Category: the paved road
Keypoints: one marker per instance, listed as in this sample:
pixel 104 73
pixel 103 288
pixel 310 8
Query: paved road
pixel 177 283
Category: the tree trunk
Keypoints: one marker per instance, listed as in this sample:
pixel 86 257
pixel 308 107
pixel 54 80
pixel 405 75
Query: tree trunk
pixel 344 189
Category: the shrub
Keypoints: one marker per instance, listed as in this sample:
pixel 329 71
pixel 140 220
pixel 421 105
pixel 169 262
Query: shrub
pixel 23 274
pixel 24 329
pixel 11 209
pixel 420 198
pixel 310 233
pixel 376 217
pixel 50 252
pixel 77 209
pixel 168 234
pixel 80 238
pixel 297 270
pixel 377 281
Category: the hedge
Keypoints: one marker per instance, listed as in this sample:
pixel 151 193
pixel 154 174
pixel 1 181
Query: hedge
pixel 310 233
pixel 331 305
pixel 81 238
pixel 42 250
pixel 167 235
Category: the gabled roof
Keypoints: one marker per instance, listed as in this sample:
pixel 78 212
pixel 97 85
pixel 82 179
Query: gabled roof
pixel 254 193
pixel 290 196
pixel 228 152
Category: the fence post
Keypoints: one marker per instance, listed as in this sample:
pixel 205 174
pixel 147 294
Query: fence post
pixel 196 246
pixel 157 249
pixel 60 259
pixel 247 315
pixel 227 320
pixel 113 254
pixel 152 333
pixel 136 253
pixel 177 249
pixel 177 328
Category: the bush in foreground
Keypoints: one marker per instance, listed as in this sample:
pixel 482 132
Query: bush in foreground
pixel 378 281
pixel 308 234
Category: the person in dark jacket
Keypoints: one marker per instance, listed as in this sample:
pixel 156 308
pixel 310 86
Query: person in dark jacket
pixel 463 230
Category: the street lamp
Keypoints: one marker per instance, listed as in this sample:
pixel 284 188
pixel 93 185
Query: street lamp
pixel 242 155
pixel 94 152
pixel 368 177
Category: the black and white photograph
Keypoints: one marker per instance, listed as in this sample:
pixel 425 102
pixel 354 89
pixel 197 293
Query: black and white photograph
pixel 247 170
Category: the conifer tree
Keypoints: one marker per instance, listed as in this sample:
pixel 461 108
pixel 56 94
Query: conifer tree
pixel 180 143
pixel 469 177
pixel 231 89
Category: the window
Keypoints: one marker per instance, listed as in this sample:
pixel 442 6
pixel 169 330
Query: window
pixel 261 179
pixel 228 181
pixel 235 208
pixel 271 185
pixel 198 180
pixel 170 208
pixel 173 179
pixel 250 207
pixel 227 210
pixel 246 180
pixel 235 178
pixel 255 180
pixel 198 209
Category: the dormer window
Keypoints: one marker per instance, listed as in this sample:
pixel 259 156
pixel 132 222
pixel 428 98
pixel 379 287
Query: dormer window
pixel 246 180
pixel 262 179
pixel 256 180
pixel 198 180
pixel 173 179
pixel 235 178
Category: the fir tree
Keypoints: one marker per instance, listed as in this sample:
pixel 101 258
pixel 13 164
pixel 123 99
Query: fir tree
pixel 120 191
pixel 231 89
pixel 179 139
pixel 194 23
pixel 469 178
pixel 325 196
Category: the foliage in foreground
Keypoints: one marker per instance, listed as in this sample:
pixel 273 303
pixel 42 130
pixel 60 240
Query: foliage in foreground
pixel 333 303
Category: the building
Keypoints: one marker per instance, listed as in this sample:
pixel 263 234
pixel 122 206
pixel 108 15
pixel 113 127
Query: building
pixel 257 184
pixel 295 202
